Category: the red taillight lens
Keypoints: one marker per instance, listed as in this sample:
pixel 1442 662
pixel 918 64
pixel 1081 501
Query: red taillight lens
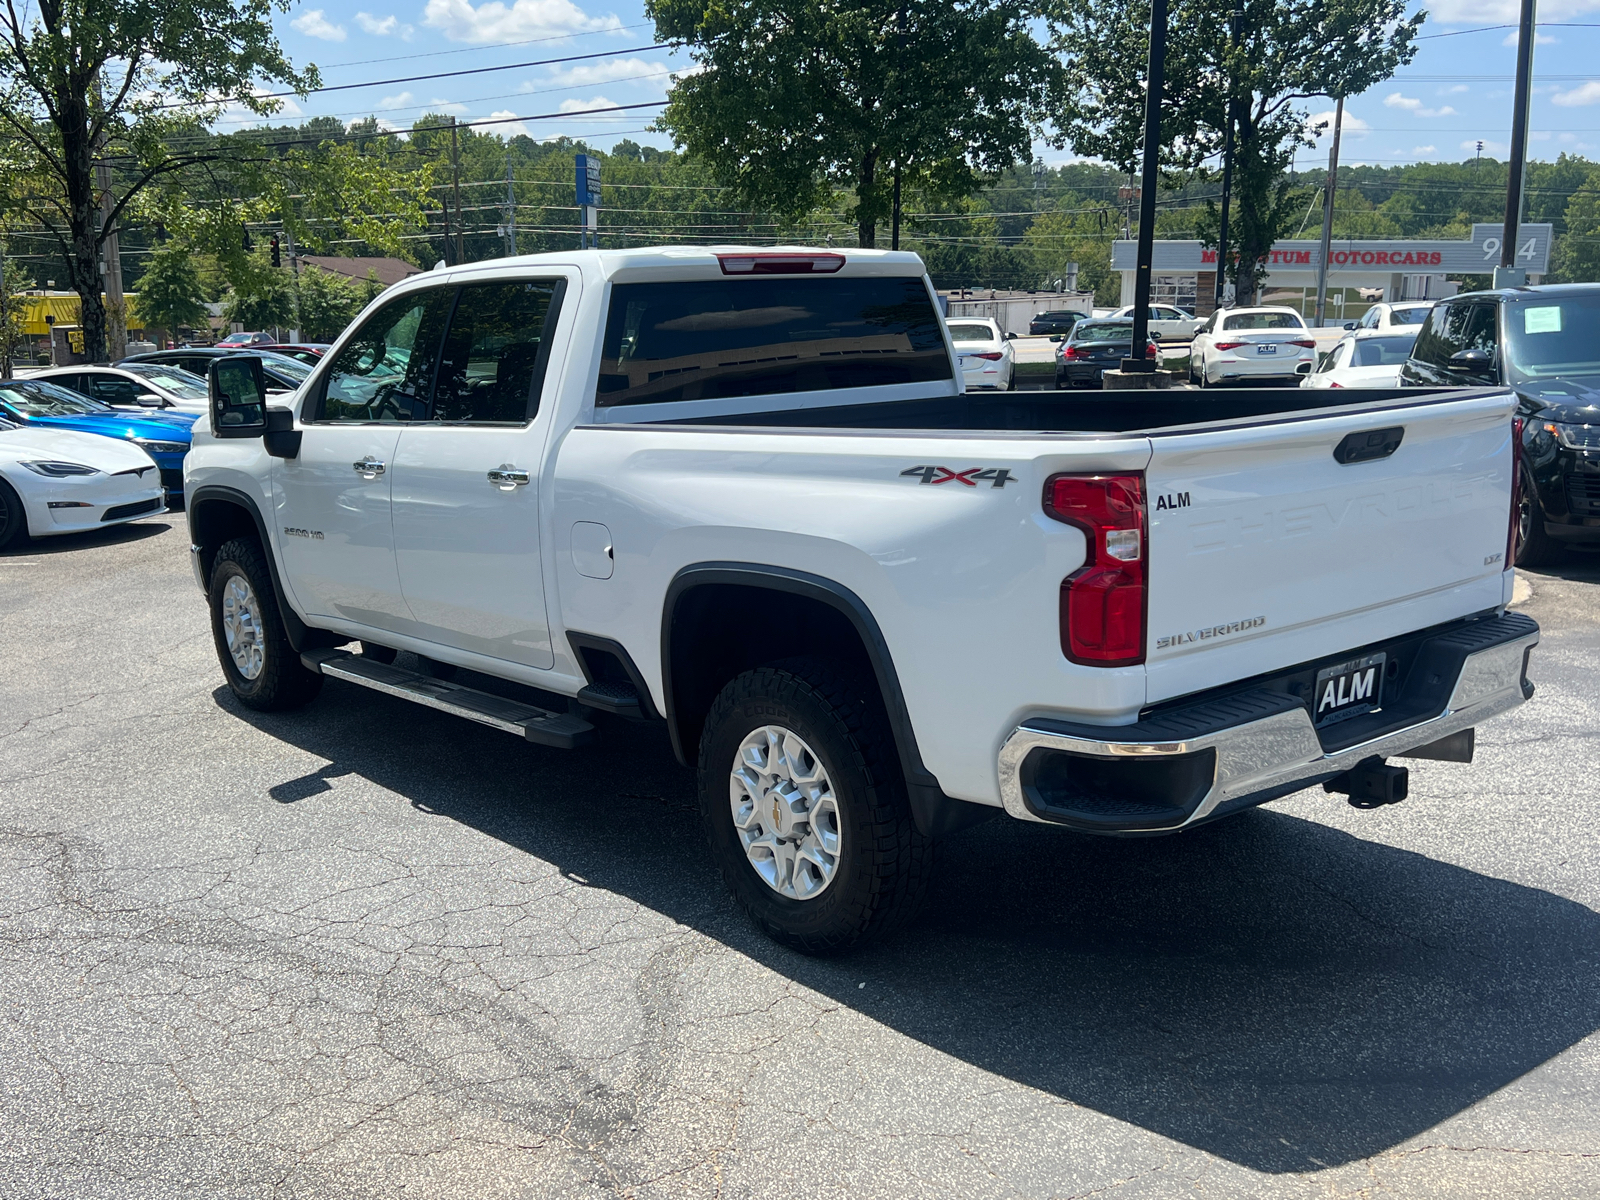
pixel 780 264
pixel 995 357
pixel 1306 342
pixel 1332 383
pixel 1516 493
pixel 1153 352
pixel 1072 352
pixel 1229 345
pixel 1103 602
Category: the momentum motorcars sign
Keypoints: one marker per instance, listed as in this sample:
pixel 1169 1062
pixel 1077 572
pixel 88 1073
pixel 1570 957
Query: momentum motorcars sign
pixel 1477 255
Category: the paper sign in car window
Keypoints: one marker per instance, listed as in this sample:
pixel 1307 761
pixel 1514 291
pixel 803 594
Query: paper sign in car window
pixel 1545 318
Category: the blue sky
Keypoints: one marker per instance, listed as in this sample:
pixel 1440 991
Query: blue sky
pixel 1456 91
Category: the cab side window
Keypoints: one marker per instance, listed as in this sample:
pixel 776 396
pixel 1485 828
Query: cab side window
pixel 385 373
pixel 491 369
pixel 115 390
pixel 1443 335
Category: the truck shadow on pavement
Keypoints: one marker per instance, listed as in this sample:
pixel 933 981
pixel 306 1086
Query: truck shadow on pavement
pixel 1268 989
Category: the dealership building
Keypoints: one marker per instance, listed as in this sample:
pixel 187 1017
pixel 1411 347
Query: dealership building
pixel 1360 272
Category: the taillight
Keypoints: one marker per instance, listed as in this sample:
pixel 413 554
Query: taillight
pixel 1516 493
pixel 995 357
pixel 1306 342
pixel 780 264
pixel 1228 345
pixel 1334 383
pixel 1072 352
pixel 1152 352
pixel 1103 602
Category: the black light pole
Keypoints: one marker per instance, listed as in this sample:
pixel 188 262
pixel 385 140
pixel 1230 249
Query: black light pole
pixel 1139 364
pixel 1236 28
pixel 1519 146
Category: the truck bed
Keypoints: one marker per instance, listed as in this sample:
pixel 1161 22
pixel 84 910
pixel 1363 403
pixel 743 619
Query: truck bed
pixel 1077 412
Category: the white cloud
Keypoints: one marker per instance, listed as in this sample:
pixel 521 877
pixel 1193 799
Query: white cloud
pixel 236 116
pixel 377 26
pixel 493 21
pixel 1457 90
pixel 446 106
pixel 1494 12
pixel 1539 135
pixel 1586 93
pixel 610 71
pixel 403 100
pixel 508 128
pixel 1352 127
pixel 578 106
pixel 312 23
pixel 1412 105
pixel 1539 39
pixel 1421 151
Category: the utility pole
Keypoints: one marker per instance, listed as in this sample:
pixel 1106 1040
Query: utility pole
pixel 510 227
pixel 1508 274
pixel 1329 191
pixel 894 226
pixel 455 173
pixel 294 266
pixel 110 253
pixel 1235 32
pixel 1139 364
pixel 5 319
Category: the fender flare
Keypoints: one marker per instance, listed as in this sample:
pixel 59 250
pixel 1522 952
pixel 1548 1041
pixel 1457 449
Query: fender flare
pixel 933 811
pixel 302 637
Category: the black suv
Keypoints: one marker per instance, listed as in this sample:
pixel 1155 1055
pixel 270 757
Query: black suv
pixel 283 373
pixel 1055 324
pixel 1544 343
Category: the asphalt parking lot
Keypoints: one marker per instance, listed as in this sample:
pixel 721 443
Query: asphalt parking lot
pixel 365 950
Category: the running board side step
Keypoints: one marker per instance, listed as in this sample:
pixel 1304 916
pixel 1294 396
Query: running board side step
pixel 538 725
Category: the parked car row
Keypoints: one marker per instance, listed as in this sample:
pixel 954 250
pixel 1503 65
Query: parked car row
pixel 58 480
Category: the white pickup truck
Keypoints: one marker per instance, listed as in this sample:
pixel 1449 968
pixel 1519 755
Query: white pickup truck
pixel 742 491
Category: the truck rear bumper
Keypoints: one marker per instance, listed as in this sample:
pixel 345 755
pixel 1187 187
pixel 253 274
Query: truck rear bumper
pixel 1218 755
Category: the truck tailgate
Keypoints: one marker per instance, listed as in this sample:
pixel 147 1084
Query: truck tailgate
pixel 1266 551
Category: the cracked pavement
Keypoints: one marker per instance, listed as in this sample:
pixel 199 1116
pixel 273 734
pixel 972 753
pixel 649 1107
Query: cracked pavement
pixel 369 950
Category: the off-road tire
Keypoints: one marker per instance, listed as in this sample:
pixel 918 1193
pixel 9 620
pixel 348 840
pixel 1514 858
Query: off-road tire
pixel 13 520
pixel 1534 547
pixel 284 681
pixel 884 864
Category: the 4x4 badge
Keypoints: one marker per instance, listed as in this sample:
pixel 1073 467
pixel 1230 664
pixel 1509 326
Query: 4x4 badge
pixel 994 476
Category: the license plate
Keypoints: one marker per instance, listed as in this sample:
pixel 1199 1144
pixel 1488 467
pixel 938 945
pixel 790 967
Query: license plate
pixel 1349 689
pixel 1266 347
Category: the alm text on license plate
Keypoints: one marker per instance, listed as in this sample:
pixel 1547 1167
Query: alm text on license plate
pixel 1349 689
pixel 1266 347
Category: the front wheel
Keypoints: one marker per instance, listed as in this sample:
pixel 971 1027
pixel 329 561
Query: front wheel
pixel 1534 547
pixel 805 807
pixel 261 667
pixel 13 521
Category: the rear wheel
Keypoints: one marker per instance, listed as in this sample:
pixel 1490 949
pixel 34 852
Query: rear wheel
pixel 805 807
pixel 261 667
pixel 13 521
pixel 1535 547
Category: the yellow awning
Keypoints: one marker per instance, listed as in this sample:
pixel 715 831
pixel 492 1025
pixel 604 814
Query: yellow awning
pixel 65 310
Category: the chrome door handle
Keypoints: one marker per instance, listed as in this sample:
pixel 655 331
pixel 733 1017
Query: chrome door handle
pixel 368 468
pixel 508 478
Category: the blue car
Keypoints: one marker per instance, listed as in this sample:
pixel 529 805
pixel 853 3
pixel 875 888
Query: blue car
pixel 40 405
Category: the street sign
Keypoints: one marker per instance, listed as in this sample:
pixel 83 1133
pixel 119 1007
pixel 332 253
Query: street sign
pixel 588 172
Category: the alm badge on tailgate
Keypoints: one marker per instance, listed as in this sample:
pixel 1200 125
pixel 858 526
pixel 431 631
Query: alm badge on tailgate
pixel 1349 689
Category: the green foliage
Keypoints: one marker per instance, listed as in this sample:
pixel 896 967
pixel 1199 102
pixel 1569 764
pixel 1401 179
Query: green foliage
pixel 799 97
pixel 327 303
pixel 1288 53
pixel 261 296
pixel 171 295
pixel 1577 257
pixel 12 339
pixel 133 75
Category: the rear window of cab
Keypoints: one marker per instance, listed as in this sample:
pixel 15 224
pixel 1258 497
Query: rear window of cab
pixel 717 338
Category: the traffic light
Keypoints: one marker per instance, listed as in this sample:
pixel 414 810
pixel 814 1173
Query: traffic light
pixel 277 259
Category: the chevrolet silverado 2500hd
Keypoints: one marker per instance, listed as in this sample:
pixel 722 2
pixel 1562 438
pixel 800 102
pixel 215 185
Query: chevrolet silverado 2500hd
pixel 742 492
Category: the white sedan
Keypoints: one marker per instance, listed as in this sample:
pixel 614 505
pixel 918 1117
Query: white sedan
pixel 61 481
pixel 1389 318
pixel 134 385
pixel 1366 358
pixel 1171 323
pixel 1239 344
pixel 985 354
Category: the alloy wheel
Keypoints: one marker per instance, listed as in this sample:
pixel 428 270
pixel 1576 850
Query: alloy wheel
pixel 241 625
pixel 785 812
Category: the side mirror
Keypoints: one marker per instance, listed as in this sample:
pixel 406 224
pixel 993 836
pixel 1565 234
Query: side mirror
pixel 238 397
pixel 1472 362
pixel 1154 336
pixel 151 402
pixel 1349 324
pixel 1011 337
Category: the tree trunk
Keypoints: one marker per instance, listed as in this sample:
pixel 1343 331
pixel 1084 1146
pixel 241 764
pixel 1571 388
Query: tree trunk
pixel 83 252
pixel 866 225
pixel 1252 187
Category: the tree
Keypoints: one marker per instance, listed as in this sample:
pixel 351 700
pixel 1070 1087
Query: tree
pixel 91 81
pixel 1288 52
pixel 1577 256
pixel 171 295
pixel 262 295
pixel 797 97
pixel 12 281
pixel 327 303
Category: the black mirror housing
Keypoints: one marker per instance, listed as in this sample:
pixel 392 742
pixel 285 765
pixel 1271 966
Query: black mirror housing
pixel 282 439
pixel 1349 324
pixel 1472 362
pixel 238 396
